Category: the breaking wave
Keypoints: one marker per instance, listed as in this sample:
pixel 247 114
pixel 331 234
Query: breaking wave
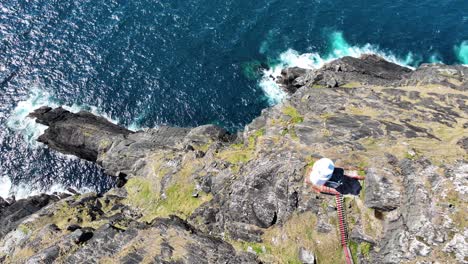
pixel 30 130
pixel 24 190
pixel 461 52
pixel 338 48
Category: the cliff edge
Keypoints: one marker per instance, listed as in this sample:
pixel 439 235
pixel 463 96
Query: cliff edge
pixel 202 195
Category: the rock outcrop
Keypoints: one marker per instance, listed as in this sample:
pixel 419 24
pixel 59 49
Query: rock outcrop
pixel 201 195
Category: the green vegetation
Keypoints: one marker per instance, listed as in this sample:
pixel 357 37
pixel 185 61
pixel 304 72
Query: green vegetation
pixel 240 153
pixel 294 114
pixel 292 133
pixel 144 193
pixel 354 247
pixel 283 242
pixel 316 86
pixel 204 147
pixel 363 248
pixel 258 248
pixel 237 154
pixel 459 216
pixel 24 229
pixel 351 85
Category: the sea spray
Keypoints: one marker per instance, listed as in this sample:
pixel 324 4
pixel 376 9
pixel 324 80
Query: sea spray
pixel 338 48
pixel 435 58
pixel 24 190
pixel 461 52
pixel 20 122
pixel 5 186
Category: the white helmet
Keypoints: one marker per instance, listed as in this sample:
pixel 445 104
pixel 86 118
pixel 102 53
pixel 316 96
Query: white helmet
pixel 322 171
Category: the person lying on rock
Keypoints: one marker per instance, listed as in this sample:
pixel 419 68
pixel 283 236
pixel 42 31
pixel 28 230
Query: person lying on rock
pixel 319 175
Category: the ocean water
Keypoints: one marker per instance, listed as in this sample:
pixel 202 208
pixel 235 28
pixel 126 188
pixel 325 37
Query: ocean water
pixel 146 63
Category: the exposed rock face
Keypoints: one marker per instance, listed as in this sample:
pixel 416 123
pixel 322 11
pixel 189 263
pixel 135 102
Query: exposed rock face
pixel 78 134
pixel 369 69
pixel 11 215
pixel 201 195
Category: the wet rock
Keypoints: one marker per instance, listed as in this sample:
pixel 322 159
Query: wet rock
pixel 3 203
pixel 288 76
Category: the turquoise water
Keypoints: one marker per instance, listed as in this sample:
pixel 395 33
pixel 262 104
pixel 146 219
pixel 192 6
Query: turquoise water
pixel 462 52
pixel 145 63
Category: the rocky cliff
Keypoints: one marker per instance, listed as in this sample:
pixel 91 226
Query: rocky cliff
pixel 201 195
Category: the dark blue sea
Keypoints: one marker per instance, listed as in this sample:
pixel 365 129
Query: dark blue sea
pixel 144 63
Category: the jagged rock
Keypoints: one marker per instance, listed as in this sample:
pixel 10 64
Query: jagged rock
pixel 288 79
pixel 3 203
pixel 12 215
pixel 79 134
pixel 369 69
pixel 458 246
pixel 249 187
pixel 46 256
pixel 380 191
pixel 205 134
pixel 81 235
pixel 332 83
pixel 162 239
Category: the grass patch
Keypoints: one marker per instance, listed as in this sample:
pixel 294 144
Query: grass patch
pixel 283 242
pixel 362 248
pixel 258 248
pixel 362 111
pixel 292 133
pixel 237 155
pixel 24 229
pixel 365 249
pixel 22 255
pixel 351 85
pixel 204 147
pixel 354 248
pixel 316 86
pixel 144 194
pixel 459 215
pixel 294 114
pixel 240 153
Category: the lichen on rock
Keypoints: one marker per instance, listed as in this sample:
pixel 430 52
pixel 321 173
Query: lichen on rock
pixel 202 195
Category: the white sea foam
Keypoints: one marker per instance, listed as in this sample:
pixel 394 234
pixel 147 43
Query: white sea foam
pixel 461 52
pixel 339 48
pixel 5 186
pixel 30 130
pixel 23 190
pixel 20 122
pixel 134 127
